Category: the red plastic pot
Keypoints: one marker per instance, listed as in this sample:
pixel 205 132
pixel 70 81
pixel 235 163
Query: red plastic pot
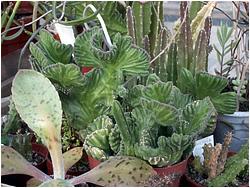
pixel 9 46
pixel 43 151
pixel 93 162
pixel 192 183
pixel 86 69
pixel 178 169
pixel 25 7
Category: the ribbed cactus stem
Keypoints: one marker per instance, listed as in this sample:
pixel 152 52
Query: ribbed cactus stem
pixel 130 23
pixel 163 58
pixel 155 27
pixel 172 63
pixel 213 158
pixel 138 21
pixel 223 156
pixel 185 42
pixel 200 53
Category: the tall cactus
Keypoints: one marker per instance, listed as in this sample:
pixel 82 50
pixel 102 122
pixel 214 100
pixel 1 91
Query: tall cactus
pixel 145 26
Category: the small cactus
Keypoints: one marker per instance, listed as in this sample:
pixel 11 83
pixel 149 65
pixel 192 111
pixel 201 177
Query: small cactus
pixel 215 157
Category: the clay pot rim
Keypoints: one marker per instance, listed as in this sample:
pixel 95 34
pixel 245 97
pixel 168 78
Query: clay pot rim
pixel 174 165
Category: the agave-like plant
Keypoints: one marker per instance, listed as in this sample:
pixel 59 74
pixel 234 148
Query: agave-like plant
pixel 38 104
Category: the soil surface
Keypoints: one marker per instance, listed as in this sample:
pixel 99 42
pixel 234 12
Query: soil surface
pixel 36 158
pixel 198 178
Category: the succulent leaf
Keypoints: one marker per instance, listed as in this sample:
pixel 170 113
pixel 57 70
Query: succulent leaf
pixel 38 104
pixel 50 51
pixel 197 114
pixel 67 76
pixel 117 171
pixel 168 152
pixel 71 157
pixel 164 114
pixel 14 163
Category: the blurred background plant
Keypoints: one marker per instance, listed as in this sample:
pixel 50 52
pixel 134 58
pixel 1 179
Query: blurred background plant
pixel 233 55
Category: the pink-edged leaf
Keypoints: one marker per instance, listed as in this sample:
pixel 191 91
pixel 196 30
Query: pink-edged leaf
pixel 14 163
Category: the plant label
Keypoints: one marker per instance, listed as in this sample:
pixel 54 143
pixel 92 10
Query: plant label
pixel 198 149
pixel 65 33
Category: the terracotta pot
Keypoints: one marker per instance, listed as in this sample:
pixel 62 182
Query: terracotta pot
pixel 192 183
pixel 43 151
pixel 178 169
pixel 93 162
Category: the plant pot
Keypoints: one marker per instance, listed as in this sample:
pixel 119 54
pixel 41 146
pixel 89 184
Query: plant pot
pixel 238 123
pixel 25 7
pixel 178 170
pixel 18 180
pixel 42 151
pixel 192 183
pixel 86 69
pixel 9 46
pixel 93 162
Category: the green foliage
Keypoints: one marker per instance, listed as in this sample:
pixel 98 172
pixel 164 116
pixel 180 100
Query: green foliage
pixel 204 85
pixel 138 132
pixel 96 143
pixel 100 85
pixel 47 129
pixel 224 34
pixel 168 152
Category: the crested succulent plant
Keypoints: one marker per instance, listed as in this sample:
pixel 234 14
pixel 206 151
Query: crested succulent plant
pixel 38 104
pixel 158 105
pixel 220 169
pixel 100 85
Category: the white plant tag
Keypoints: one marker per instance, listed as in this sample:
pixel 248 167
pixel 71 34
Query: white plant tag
pixel 198 150
pixel 65 33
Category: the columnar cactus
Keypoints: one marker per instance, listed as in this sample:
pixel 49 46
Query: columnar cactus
pixel 234 165
pixel 145 26
pixel 220 169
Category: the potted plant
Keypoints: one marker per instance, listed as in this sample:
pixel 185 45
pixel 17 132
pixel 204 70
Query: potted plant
pixel 16 134
pixel 43 114
pixel 237 122
pixel 160 127
pixel 220 168
pixel 70 140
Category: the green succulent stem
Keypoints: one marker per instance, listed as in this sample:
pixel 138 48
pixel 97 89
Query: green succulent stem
pixel 17 4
